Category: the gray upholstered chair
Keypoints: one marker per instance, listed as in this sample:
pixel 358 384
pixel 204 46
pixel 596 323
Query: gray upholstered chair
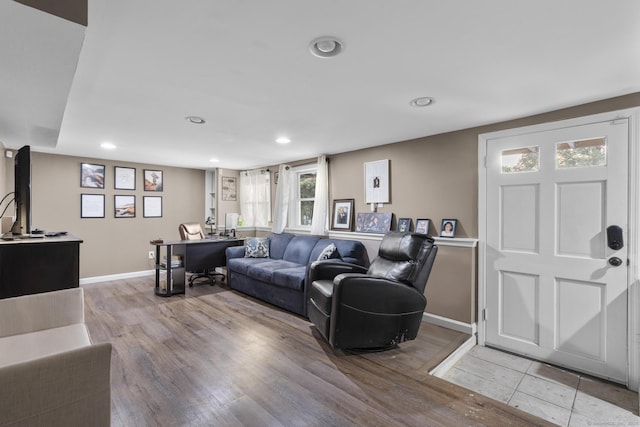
pixel 193 231
pixel 375 308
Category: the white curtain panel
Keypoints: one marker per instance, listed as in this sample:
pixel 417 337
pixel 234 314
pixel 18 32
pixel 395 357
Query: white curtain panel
pixel 255 197
pixel 320 219
pixel 283 196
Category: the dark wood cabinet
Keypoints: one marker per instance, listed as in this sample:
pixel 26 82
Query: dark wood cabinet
pixel 31 266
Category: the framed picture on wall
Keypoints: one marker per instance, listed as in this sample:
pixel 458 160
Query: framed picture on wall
pixel 229 188
pixel 152 207
pixel 91 175
pixel 124 178
pixel 448 228
pixel 124 206
pixel 404 225
pixel 422 225
pixel 342 214
pixel 92 206
pixel 376 181
pixel 153 180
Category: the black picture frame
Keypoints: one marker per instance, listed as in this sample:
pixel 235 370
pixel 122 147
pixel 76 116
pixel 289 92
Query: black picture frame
pixel 404 225
pixel 422 225
pixel 124 178
pixel 342 218
pixel 92 175
pixel 373 222
pixel 91 205
pixel 152 206
pixel 448 227
pixel 124 206
pixel 153 180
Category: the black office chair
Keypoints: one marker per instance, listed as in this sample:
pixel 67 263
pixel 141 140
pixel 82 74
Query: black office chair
pixel 193 231
pixel 377 308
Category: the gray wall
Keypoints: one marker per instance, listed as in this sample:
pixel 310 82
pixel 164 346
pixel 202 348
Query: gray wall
pixel 112 245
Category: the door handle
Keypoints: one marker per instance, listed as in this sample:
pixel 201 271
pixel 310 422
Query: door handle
pixel 614 237
pixel 615 261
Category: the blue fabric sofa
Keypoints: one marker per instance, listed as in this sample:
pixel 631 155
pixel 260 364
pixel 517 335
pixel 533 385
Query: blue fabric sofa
pixel 281 278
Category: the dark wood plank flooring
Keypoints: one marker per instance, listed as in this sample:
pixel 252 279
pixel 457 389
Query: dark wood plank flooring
pixel 215 357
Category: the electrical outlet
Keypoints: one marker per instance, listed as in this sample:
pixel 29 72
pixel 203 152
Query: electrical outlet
pixel 152 255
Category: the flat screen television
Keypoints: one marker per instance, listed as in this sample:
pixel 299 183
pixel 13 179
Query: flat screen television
pixel 22 192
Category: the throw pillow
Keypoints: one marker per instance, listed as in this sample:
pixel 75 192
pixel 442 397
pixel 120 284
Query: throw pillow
pixel 329 252
pixel 257 248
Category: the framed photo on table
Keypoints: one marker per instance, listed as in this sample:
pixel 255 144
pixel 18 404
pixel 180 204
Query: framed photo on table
pixel 342 214
pixel 448 227
pixel 422 225
pixel 373 222
pixel 404 225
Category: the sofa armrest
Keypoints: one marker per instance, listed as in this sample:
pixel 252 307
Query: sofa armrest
pixel 31 313
pixel 235 252
pixel 70 388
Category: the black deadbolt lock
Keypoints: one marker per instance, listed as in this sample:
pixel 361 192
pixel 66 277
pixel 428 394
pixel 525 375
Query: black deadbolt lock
pixel 614 237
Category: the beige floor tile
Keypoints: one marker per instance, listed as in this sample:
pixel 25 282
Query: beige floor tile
pixel 558 394
pixel 541 408
pixel 615 394
pixel 599 412
pixel 554 374
pixel 490 371
pixel 479 385
pixel 501 358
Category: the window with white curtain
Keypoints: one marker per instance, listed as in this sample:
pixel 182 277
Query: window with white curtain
pixel 303 197
pixel 255 197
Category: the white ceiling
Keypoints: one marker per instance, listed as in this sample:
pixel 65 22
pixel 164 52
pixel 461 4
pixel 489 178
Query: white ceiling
pixel 244 66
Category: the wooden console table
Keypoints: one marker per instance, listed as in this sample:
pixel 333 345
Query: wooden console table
pixel 43 264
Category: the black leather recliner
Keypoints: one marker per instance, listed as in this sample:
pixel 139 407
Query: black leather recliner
pixel 359 309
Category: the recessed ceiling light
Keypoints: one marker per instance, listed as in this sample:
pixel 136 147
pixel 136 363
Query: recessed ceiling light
pixel 326 47
pixel 195 120
pixel 423 101
pixel 214 160
pixel 283 140
pixel 108 146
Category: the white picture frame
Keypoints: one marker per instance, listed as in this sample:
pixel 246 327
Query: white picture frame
pixel 152 206
pixel 376 181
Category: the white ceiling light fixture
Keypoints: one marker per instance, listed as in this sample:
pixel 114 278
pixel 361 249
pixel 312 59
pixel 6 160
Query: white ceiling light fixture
pixel 283 140
pixel 108 146
pixel 422 101
pixel 326 46
pixel 214 160
pixel 195 120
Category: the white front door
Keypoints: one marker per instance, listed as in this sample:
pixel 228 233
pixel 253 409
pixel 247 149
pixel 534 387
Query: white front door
pixel 556 286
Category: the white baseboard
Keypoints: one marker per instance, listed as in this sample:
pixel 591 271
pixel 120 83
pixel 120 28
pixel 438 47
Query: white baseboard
pixel 456 325
pixel 451 360
pixel 120 276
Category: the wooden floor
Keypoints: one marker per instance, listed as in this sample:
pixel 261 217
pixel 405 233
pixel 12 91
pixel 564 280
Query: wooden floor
pixel 215 357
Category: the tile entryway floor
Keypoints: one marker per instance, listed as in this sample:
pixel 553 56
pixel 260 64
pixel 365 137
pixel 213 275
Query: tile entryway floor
pixel 562 397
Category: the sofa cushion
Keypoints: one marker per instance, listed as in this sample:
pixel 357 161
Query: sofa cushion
pixel 299 249
pixel 241 265
pixel 257 248
pixel 290 278
pixel 33 345
pixel 278 244
pixel 264 270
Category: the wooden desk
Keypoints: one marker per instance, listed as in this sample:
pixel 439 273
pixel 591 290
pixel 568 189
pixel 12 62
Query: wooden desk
pixel 31 266
pixel 195 255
